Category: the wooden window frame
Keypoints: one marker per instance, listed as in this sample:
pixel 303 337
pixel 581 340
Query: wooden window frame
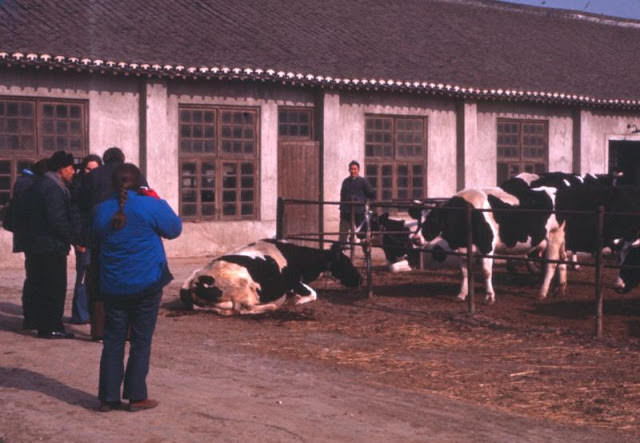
pixel 395 161
pixel 307 110
pixel 218 158
pixel 523 163
pixel 18 157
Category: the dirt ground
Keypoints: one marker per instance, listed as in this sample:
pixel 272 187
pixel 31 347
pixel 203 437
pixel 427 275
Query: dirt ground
pixel 408 364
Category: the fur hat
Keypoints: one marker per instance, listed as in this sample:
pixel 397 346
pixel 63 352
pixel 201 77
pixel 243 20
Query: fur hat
pixel 59 160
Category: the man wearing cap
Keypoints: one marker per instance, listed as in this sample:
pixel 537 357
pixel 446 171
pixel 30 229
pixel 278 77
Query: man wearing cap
pixel 49 239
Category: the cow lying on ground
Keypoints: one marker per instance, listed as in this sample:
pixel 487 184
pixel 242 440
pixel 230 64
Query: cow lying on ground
pixel 264 276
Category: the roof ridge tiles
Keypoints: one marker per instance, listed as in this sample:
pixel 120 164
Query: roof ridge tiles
pixel 179 70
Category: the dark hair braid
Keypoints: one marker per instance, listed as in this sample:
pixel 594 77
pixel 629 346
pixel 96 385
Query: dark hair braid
pixel 125 177
pixel 119 219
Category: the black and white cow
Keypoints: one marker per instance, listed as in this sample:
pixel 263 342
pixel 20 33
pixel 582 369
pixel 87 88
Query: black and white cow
pixel 264 276
pixel 500 231
pixel 629 275
pixel 397 245
pixel 621 231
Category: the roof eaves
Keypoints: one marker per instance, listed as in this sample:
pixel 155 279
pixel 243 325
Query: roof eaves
pixel 86 64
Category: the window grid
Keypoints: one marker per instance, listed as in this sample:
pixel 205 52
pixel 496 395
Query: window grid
pixel 219 152
pixel 32 128
pixel 295 123
pixel 395 154
pixel 522 147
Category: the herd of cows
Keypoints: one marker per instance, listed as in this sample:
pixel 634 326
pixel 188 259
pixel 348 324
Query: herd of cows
pixel 553 215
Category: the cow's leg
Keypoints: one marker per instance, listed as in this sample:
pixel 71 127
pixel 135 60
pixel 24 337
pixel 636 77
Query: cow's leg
pixel 487 272
pixel 464 287
pixel 260 309
pixel 575 265
pixel 304 294
pixel 555 251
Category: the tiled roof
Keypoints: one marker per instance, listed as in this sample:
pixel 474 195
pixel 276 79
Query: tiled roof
pixel 466 48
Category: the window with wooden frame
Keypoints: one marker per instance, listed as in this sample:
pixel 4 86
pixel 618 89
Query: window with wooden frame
pixel 396 156
pixel 34 128
pixel 523 146
pixel 295 123
pixel 218 163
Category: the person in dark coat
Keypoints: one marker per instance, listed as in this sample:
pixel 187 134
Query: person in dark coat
pixel 18 224
pixel 133 270
pixel 80 218
pixel 50 235
pixel 354 189
pixel 96 187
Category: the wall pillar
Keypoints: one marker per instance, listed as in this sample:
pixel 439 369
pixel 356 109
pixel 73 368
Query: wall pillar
pixel 576 148
pixel 334 157
pixel 158 140
pixel 466 145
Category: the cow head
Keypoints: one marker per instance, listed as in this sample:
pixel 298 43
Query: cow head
pixel 200 290
pixel 341 267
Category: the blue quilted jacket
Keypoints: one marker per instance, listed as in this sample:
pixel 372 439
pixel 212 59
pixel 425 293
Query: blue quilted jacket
pixel 132 259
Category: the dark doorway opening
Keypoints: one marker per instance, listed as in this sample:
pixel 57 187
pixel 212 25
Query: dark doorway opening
pixel 624 156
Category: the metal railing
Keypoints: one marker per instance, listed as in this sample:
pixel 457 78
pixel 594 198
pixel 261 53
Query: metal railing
pixel 366 241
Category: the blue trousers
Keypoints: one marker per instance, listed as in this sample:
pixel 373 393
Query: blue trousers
pixel 80 305
pixel 140 314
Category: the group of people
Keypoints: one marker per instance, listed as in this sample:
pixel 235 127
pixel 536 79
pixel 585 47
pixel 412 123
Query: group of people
pixel 106 211
pixel 115 224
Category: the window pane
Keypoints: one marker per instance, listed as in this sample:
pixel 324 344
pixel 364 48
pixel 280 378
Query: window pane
pixel 197 131
pixel 294 123
pixel 224 187
pixel 17 125
pixel 522 146
pixel 63 127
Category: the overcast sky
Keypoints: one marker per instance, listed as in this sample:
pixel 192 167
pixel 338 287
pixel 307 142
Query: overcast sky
pixel 617 8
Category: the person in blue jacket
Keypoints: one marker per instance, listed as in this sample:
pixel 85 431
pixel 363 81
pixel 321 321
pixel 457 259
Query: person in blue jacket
pixel 133 270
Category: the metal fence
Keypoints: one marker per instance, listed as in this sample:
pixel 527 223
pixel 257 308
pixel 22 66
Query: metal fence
pixel 365 241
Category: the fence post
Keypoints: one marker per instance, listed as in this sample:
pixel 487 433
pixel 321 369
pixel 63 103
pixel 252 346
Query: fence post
pixel 598 283
pixel 367 250
pixel 280 219
pixel 352 236
pixel 470 297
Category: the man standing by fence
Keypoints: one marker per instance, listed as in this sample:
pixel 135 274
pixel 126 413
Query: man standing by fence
pixel 355 191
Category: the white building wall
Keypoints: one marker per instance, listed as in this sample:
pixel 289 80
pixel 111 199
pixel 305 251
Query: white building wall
pixel 114 120
pixel 598 128
pixel 481 167
pixel 344 139
pixel 112 109
pixel 215 237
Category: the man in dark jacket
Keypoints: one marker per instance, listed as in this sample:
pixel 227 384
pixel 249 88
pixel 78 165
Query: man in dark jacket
pixel 80 219
pixel 18 225
pixel 354 192
pixel 50 235
pixel 96 187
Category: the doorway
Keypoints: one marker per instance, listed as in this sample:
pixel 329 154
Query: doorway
pixel 299 171
pixel 624 156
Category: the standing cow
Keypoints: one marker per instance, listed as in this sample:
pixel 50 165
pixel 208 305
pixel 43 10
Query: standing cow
pixel 497 231
pixel 262 276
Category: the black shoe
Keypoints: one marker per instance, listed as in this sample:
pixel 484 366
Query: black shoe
pixel 108 406
pixel 28 325
pixel 55 334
